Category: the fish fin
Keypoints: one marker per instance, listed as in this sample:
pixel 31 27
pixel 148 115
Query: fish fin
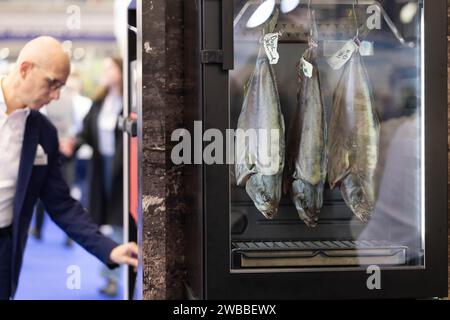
pixel 288 174
pixel 338 165
pixel 243 172
pixel 244 162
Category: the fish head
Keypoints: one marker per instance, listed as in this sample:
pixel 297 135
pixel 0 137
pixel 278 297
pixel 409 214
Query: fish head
pixel 265 191
pixel 308 200
pixel 357 198
pixel 360 205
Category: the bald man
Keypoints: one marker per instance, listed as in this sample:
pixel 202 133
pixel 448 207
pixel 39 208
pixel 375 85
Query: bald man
pixel 30 167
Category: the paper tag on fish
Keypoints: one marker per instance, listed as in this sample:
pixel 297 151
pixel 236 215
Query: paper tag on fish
pixel 270 42
pixel 330 47
pixel 340 58
pixel 366 49
pixel 307 68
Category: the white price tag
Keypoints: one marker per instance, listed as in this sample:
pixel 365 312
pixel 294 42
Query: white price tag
pixel 307 68
pixel 270 42
pixel 366 49
pixel 340 58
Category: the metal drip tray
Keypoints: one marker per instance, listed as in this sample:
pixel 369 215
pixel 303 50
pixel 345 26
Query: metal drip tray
pixel 316 253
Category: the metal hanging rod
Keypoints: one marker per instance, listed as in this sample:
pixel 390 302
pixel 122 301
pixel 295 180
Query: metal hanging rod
pixel 386 17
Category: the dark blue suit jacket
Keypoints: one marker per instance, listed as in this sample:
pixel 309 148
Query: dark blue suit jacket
pixel 46 183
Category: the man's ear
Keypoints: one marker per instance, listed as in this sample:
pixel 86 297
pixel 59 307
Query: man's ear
pixel 25 68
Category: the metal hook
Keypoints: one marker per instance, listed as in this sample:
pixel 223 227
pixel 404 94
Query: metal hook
pixel 355 2
pixel 310 19
pixel 313 30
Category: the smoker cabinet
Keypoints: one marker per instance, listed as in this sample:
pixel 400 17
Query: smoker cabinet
pixel 232 250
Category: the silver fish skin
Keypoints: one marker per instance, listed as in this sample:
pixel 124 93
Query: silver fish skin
pixel 353 139
pixel 305 172
pixel 259 163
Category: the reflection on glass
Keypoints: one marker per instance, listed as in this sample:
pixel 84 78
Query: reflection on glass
pixel 384 103
pixel 261 14
pixel 287 6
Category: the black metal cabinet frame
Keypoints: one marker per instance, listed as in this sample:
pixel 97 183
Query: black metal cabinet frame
pixel 212 23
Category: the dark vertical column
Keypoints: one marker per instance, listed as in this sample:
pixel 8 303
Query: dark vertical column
pixel 448 100
pixel 162 192
pixel 174 116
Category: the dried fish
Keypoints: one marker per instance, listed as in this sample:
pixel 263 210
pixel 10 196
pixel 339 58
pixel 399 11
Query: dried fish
pixel 353 139
pixel 305 172
pixel 260 142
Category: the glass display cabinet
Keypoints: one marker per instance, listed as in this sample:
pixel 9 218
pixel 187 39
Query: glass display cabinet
pixel 352 200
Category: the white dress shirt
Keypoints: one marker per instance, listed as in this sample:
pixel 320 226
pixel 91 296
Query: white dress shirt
pixel 12 129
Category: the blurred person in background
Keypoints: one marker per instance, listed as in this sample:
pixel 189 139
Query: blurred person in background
pixel 84 154
pixel 101 132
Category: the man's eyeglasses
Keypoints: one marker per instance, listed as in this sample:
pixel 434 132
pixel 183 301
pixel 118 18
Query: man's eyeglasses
pixel 52 83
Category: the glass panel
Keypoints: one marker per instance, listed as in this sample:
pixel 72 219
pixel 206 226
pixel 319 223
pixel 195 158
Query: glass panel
pixel 348 87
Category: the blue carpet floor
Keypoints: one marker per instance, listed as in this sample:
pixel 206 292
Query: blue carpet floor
pixel 45 274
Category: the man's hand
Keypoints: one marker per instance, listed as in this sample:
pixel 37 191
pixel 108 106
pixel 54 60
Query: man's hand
pixel 125 254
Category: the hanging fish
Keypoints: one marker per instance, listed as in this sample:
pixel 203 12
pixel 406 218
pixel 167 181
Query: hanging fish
pixel 353 139
pixel 305 172
pixel 260 142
